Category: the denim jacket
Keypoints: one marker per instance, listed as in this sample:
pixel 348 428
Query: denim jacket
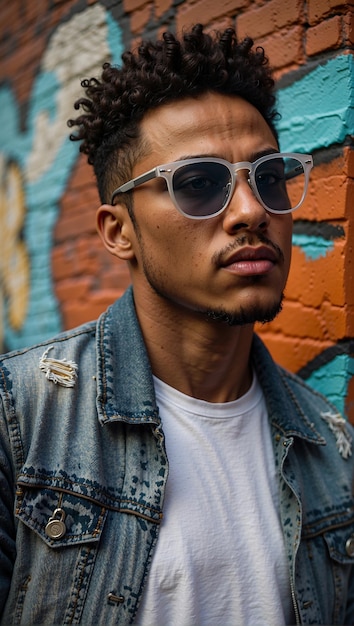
pixel 83 470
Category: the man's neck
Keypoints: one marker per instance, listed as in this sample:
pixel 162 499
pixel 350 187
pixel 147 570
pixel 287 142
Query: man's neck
pixel 202 358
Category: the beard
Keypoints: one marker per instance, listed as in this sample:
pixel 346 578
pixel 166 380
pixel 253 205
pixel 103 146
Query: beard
pixel 244 316
pixel 263 312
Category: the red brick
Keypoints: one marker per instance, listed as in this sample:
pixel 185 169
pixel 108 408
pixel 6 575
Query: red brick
pixel 318 9
pixel 161 6
pixel 324 36
pixel 271 16
pixel 115 277
pixel 10 16
pixel 350 401
pixel 80 311
pixel 62 261
pixel 77 313
pixel 284 48
pixel 73 288
pixel 34 11
pixel 140 18
pixel 133 5
pixel 206 11
pixel 348 21
pixel 75 224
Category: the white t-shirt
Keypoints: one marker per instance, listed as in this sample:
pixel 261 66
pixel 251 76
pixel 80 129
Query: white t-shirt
pixel 220 558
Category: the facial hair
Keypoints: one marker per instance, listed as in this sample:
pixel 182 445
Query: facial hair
pixel 245 316
pixel 241 316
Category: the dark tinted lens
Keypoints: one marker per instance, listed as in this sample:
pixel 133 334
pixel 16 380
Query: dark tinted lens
pixel 280 182
pixel 201 189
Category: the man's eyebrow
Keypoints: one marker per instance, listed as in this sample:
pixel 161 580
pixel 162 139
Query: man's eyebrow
pixel 253 156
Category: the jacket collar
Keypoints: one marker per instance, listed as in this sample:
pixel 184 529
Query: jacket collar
pixel 124 377
pixel 125 383
pixel 286 413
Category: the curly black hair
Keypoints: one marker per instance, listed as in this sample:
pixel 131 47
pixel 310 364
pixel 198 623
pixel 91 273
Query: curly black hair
pixel 157 73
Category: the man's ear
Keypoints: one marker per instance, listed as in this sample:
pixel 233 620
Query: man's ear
pixel 116 230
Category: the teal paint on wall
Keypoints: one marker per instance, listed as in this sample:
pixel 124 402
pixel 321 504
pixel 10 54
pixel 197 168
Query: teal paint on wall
pixel 313 247
pixel 332 380
pixel 318 110
pixel 115 42
pixel 44 182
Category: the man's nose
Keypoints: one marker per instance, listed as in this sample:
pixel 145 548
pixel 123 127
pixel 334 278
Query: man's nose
pixel 244 210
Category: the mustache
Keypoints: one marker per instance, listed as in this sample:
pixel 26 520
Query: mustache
pixel 247 240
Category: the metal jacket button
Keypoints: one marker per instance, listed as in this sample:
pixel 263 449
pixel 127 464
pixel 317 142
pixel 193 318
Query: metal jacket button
pixel 349 546
pixel 56 529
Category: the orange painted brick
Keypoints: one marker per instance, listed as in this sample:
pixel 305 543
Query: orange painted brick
pixel 205 11
pixel 318 9
pixel 326 198
pixel 292 353
pixel 326 323
pixel 274 15
pixel 324 36
pixel 299 321
pixel 312 282
pixel 349 272
pixel 349 199
pixel 349 161
pixel 337 321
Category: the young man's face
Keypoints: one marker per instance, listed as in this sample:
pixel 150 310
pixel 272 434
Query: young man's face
pixel 231 267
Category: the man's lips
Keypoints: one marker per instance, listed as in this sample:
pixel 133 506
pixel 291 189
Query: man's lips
pixel 249 260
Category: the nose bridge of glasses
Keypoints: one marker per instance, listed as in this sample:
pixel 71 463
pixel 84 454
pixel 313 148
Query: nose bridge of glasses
pixel 242 165
pixel 239 167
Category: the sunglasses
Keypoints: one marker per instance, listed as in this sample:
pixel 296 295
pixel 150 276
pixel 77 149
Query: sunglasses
pixel 201 188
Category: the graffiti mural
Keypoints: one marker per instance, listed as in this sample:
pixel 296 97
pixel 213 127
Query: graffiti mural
pixel 37 160
pixel 44 158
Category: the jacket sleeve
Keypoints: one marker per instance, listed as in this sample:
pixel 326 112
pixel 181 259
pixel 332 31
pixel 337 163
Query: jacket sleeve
pixel 349 616
pixel 7 525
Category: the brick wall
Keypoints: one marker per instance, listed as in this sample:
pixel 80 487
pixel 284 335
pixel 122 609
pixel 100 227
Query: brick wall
pixel 54 272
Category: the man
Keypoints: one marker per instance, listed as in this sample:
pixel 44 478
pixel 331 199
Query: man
pixel 162 468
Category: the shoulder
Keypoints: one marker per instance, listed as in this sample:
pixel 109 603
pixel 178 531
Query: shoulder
pixel 296 407
pixel 26 365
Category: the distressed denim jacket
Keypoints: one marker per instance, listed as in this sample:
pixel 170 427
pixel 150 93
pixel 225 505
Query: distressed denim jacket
pixel 84 468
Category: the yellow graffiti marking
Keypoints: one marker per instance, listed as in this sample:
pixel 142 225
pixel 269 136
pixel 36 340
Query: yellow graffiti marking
pixel 14 260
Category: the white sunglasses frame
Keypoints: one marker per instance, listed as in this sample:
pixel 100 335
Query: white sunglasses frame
pixel 168 170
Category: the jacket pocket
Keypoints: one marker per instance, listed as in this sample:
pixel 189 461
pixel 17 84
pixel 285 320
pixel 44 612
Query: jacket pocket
pixel 59 518
pixel 58 538
pixel 340 544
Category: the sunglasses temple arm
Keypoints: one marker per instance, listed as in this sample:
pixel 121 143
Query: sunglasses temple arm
pixel 139 180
